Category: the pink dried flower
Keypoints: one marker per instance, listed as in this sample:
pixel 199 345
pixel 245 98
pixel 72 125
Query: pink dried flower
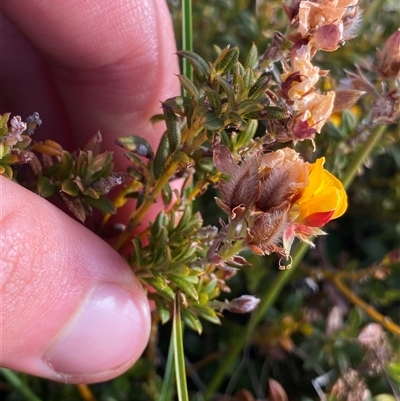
pixel 15 135
pixel 243 304
pixel 389 57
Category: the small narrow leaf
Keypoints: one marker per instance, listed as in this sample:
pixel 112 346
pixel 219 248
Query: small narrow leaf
pixel 178 104
pixel 135 144
pixel 244 137
pixel 252 57
pixel 163 311
pixel 173 129
pixel 200 68
pixel 161 157
pixel 226 87
pixel 192 321
pixel 160 285
pixel 138 165
pixel 228 61
pixel 213 99
pixel 189 86
pixel 185 286
pixel 259 87
pixel 103 204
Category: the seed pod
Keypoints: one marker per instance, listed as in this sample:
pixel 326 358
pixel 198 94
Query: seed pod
pixel 161 157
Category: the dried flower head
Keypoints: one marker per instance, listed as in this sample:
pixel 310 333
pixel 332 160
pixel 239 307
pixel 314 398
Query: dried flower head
pixel 279 196
pixel 243 304
pixel 326 23
pixel 389 57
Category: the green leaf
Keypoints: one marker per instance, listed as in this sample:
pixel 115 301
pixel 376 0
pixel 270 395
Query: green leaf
pixel 162 310
pixel 211 122
pixel 227 88
pixel 184 285
pixel 200 68
pixel 166 194
pixel 244 137
pixel 207 313
pixel 177 335
pixel 138 256
pixel 228 61
pixel 214 100
pixel 70 188
pixel 394 371
pixel 103 204
pixel 191 320
pixel 161 157
pixel 3 124
pixel 259 87
pixel 173 128
pixel 138 165
pixel 206 164
pixel 135 144
pixel 189 86
pixel 249 78
pixel 160 285
pixel 178 104
pixel 252 57
pixel 45 187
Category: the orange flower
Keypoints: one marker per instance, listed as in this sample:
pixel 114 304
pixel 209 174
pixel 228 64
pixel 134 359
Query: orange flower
pixel 322 200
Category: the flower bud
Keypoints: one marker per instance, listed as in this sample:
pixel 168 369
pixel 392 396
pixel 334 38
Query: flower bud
pixel 243 304
pixel 389 57
pixel 371 335
pixel 345 98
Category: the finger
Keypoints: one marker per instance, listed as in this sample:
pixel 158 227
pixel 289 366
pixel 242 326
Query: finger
pixel 111 62
pixel 71 308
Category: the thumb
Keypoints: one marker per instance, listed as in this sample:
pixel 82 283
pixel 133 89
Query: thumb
pixel 71 309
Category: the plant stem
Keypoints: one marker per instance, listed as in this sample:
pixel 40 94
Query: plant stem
pixel 368 309
pixel 269 296
pixel 85 392
pixel 138 214
pixel 267 299
pixel 179 353
pixel 187 35
pixel 362 154
pixel 19 385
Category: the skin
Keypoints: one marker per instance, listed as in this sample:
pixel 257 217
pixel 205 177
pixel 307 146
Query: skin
pixel 84 65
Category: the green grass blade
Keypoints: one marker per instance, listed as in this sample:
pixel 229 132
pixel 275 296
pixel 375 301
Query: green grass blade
pixel 187 35
pixel 177 335
pixel 167 390
pixel 14 380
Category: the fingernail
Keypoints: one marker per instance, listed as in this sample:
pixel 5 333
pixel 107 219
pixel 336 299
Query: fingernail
pixel 108 331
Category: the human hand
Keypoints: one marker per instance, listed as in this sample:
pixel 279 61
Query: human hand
pixel 71 309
